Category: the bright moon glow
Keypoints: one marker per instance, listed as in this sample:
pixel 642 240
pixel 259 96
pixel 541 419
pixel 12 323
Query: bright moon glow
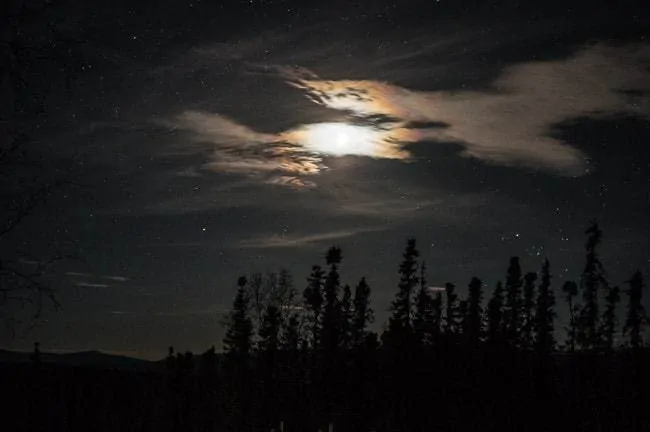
pixel 338 139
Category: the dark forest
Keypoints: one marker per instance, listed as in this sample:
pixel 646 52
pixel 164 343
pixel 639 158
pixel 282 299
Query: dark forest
pixel 307 361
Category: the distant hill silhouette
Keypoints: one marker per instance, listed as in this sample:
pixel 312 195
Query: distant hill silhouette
pixel 92 359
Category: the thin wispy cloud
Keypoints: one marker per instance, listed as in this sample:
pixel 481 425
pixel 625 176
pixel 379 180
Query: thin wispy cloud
pixel 297 240
pixel 91 285
pixel 113 278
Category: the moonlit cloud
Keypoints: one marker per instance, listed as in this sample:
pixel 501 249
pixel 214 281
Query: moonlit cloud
pixel 510 125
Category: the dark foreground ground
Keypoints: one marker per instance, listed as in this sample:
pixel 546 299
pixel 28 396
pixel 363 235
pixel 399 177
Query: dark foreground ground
pixel 581 393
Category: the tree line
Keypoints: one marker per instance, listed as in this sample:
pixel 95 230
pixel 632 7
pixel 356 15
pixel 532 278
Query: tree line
pixel 301 357
pixel 310 360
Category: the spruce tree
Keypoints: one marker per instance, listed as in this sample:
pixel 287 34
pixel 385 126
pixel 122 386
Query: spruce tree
pixel 636 315
pixel 609 320
pixel 269 333
pixel 346 318
pixel 473 322
pixel 269 339
pixel 313 297
pixel 451 309
pixel 513 303
pixel 423 316
pixel 544 314
pixel 527 311
pixel 591 283
pixel 400 323
pixel 362 313
pixel 238 339
pixel 462 316
pixel 570 290
pixel 494 314
pixel 332 305
pixel 437 316
pixel 290 336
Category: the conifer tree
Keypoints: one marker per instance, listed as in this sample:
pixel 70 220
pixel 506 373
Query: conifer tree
pixel 462 316
pixel 544 314
pixel 269 333
pixel 570 290
pixel 400 323
pixel 494 314
pixel 269 338
pixel 332 305
pixel 363 314
pixel 473 322
pixel 513 303
pixel 527 311
pixel 636 316
pixel 591 283
pixel 437 316
pixel 237 342
pixel 423 316
pixel 313 296
pixel 346 318
pixel 451 309
pixel 609 320
pixel 290 337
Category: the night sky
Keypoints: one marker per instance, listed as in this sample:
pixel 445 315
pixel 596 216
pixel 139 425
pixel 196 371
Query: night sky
pixel 211 141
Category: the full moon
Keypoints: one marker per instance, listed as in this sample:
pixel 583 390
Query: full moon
pixel 338 139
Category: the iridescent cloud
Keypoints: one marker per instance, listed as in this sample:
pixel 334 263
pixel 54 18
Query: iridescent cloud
pixel 509 125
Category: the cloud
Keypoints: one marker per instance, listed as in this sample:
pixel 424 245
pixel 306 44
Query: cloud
pixel 510 125
pixel 113 278
pixel 237 149
pixel 300 240
pixel 91 285
pixel 116 278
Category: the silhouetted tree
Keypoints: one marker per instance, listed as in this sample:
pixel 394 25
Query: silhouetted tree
pixel 513 303
pixel 363 314
pixel 270 330
pixel 527 311
pixel 451 309
pixel 473 322
pixel 609 320
pixel 290 336
pixel 238 339
pixel 313 296
pixel 329 351
pixel 463 306
pixel 237 349
pixel 423 320
pixel 346 318
pixel 544 313
pixel 570 290
pixel 437 316
pixel 494 316
pixel 400 323
pixel 636 315
pixel 591 283
pixel 268 346
pixel 332 306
